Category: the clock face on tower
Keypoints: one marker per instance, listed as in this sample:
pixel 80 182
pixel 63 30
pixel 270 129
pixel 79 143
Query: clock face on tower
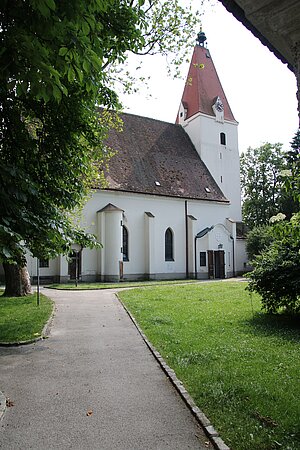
pixel 219 105
pixel 218 109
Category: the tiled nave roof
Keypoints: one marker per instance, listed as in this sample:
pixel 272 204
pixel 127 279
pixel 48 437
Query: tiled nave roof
pixel 155 157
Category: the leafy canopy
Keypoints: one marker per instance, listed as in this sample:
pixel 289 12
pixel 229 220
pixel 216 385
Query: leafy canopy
pixel 58 63
pixel 276 275
pixel 261 183
pixel 292 178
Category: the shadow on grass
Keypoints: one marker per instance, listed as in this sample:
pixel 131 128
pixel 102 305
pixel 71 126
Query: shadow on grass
pixel 16 302
pixel 286 326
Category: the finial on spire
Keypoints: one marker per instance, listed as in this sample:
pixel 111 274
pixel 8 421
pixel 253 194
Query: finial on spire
pixel 201 38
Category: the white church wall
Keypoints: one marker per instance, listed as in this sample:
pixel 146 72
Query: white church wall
pixel 218 239
pixel 167 212
pixel 243 264
pixel 112 244
pixel 147 258
pixel 149 242
pixel 192 224
pixel 208 213
pixel 221 160
pixel 50 272
pixel 201 246
pixel 63 269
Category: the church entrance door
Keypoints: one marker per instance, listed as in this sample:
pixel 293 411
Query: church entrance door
pixel 216 264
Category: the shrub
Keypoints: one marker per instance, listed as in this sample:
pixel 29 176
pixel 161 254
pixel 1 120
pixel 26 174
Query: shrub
pixel 276 274
pixel 259 239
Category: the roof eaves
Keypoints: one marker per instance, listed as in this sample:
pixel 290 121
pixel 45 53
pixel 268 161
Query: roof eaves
pixel 203 232
pixel 109 208
pixel 185 197
pixel 239 14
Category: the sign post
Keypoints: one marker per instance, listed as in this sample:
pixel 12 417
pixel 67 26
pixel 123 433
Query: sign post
pixel 76 248
pixel 38 282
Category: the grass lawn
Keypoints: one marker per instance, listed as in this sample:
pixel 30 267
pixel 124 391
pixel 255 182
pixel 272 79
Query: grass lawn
pixel 21 319
pixel 121 284
pixel 242 367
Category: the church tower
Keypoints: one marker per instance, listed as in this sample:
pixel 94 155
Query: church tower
pixel 206 116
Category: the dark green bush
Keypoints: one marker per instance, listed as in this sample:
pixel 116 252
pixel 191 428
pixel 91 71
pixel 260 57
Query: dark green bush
pixel 276 274
pixel 259 239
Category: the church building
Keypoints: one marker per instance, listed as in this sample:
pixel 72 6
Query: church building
pixel 171 207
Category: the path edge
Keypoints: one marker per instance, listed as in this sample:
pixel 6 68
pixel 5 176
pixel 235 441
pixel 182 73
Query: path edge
pixel 44 334
pixel 2 405
pixel 201 418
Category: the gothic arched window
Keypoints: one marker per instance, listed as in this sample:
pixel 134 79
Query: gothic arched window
pixel 125 244
pixel 169 245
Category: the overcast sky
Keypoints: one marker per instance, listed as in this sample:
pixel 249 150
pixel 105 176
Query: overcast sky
pixel 260 89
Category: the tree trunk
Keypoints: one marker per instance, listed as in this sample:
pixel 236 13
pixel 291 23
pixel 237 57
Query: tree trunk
pixel 17 280
pixel 25 280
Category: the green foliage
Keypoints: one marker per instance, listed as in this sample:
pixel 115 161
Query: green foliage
pixel 58 63
pixel 292 180
pixel 240 366
pixel 46 46
pixel 261 181
pixel 258 239
pixel 46 172
pixel 276 274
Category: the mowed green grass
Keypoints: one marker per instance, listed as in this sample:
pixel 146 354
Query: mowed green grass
pixel 241 366
pixel 122 284
pixel 21 319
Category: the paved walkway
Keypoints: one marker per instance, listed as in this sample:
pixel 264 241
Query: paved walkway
pixel 92 385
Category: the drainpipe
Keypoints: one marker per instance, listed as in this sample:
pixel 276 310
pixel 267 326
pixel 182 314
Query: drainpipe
pixel 233 257
pixel 195 257
pixel 186 240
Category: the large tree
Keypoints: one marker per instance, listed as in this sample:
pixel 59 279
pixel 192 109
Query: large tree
pixel 292 178
pixel 58 60
pixel 276 275
pixel 262 185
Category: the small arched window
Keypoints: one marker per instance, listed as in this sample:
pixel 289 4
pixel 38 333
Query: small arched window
pixel 169 245
pixel 222 138
pixel 125 244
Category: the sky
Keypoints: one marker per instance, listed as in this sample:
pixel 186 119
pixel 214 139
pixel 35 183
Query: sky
pixel 261 90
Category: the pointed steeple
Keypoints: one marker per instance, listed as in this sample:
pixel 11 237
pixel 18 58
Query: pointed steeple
pixel 203 92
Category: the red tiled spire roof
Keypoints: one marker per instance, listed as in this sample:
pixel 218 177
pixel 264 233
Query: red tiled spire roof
pixel 203 87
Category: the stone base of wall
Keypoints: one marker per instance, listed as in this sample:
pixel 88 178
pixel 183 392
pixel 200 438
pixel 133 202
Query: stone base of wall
pixel 51 279
pixel 167 276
